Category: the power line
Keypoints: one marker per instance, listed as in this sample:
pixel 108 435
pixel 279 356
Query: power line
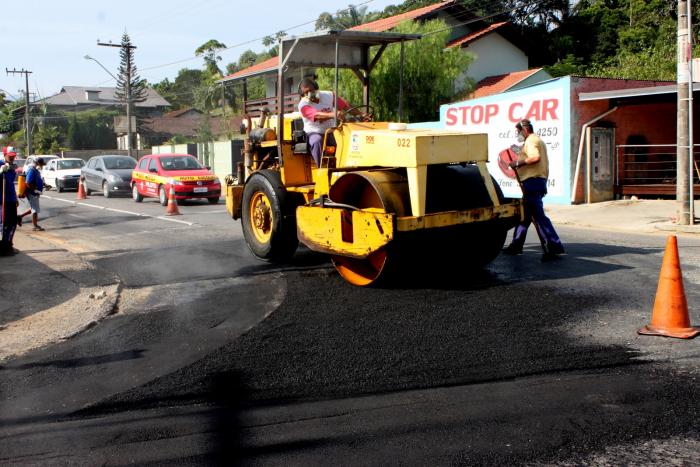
pixel 251 41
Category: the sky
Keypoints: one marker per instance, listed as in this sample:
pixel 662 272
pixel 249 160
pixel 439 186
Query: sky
pixel 51 38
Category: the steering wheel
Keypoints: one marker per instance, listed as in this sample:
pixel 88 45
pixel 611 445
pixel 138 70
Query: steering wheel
pixel 367 116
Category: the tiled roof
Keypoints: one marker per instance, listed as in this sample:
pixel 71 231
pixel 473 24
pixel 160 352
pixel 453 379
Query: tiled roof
pixel 472 36
pixel 76 95
pixel 267 65
pixel 181 112
pixel 500 83
pixel 391 22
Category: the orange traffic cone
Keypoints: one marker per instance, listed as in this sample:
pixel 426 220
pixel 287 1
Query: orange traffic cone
pixel 670 315
pixel 172 209
pixel 81 189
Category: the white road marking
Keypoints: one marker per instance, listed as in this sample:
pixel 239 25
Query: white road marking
pixel 170 219
pixel 211 212
pixel 91 205
pixel 126 212
pixel 137 214
pixel 59 199
pixel 142 232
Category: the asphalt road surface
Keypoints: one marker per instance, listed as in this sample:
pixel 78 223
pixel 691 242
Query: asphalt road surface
pixel 215 358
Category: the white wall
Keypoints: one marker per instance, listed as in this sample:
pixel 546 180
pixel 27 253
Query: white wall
pixel 494 56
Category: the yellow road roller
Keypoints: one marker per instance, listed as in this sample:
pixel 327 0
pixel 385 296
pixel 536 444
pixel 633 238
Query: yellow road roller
pixel 384 195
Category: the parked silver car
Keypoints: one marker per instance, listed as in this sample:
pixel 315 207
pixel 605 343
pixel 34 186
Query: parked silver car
pixel 110 174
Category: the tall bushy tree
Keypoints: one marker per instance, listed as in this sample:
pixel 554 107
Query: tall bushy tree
pixel 646 42
pixel 92 129
pixel 181 92
pixel 128 72
pixel 209 51
pixel 430 73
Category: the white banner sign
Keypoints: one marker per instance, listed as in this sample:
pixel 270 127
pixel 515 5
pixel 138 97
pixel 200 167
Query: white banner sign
pixel 497 117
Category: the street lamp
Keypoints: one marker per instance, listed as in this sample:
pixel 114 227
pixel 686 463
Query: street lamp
pixel 128 102
pixel 87 57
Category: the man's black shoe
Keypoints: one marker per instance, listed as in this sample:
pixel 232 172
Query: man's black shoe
pixel 512 250
pixel 548 257
pixel 557 249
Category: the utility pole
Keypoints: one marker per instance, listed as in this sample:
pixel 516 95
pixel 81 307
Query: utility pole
pixel 684 151
pixel 27 109
pixel 129 146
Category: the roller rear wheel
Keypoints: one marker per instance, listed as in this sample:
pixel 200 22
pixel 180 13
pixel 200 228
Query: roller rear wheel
pixel 268 217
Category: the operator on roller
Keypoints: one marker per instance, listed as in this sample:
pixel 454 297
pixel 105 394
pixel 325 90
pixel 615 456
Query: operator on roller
pixel 316 108
pixel 532 169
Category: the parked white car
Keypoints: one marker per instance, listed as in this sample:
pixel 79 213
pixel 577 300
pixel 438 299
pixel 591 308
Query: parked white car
pixel 62 173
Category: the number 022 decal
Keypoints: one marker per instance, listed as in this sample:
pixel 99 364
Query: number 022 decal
pixel 403 142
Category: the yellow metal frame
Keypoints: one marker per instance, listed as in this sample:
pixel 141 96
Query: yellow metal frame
pixel 361 146
pixel 356 234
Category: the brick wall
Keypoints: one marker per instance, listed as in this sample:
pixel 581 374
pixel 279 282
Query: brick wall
pixel 654 120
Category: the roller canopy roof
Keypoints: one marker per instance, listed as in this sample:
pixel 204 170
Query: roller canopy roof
pixel 318 49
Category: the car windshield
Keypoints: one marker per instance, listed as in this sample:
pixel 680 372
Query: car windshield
pixel 180 163
pixel 66 165
pixel 114 163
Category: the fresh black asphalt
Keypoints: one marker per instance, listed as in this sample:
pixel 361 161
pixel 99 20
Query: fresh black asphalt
pixel 451 368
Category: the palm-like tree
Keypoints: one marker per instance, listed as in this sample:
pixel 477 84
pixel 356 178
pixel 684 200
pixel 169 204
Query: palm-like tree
pixel 344 19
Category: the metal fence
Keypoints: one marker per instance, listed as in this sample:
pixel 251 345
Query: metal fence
pixel 650 169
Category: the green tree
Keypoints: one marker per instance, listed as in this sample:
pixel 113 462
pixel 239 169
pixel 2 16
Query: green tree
pixel 209 51
pixel 247 59
pixel 46 139
pixel 91 129
pixel 345 19
pixel 181 92
pixel 8 120
pixel 128 73
pixel 75 134
pixel 430 73
pixel 273 40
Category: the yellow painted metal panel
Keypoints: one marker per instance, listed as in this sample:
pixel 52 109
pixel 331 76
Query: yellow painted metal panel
pixel 511 211
pixel 234 197
pixel 342 232
pixel 408 148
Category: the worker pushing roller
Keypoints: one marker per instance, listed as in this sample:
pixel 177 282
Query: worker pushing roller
pixel 380 194
pixel 532 170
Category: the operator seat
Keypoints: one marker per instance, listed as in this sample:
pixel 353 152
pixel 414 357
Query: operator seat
pixel 299 143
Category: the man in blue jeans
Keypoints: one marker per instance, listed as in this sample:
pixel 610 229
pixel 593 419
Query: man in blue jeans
pixel 8 219
pixel 532 168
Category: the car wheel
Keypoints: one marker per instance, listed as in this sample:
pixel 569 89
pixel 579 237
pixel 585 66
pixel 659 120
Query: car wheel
pixel 88 191
pixel 105 190
pixel 213 200
pixel 59 187
pixel 163 195
pixel 135 194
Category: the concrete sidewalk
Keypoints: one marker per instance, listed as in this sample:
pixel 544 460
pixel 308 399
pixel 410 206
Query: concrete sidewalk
pixel 634 216
pixel 48 294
